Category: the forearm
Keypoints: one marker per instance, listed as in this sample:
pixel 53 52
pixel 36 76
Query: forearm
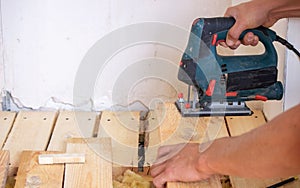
pixel 283 8
pixel 271 150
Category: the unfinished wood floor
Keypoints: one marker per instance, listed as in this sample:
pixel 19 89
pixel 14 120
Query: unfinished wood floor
pixel 105 137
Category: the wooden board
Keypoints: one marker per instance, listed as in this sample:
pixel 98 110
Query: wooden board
pixel 97 170
pixel 213 182
pixel 32 174
pixel 6 121
pixel 167 126
pixel 71 124
pixel 242 124
pixel 31 131
pixel 238 125
pixel 4 161
pixel 163 122
pixel 123 129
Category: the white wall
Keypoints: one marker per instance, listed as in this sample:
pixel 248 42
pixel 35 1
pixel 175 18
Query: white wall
pixel 44 43
pixel 292 95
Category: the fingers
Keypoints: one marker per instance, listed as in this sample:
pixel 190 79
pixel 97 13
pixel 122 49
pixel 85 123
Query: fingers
pixel 232 39
pixel 160 181
pixel 157 169
pixel 250 39
pixel 161 175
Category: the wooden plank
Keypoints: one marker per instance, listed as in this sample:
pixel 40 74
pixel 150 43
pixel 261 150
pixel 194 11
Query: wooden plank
pixel 167 126
pixel 4 161
pixel 71 124
pixel 31 131
pixel 31 174
pixel 123 129
pixel 238 125
pixel 97 170
pixel 6 121
pixel 213 182
pixel 242 124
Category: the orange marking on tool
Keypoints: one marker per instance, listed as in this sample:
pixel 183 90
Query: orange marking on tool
pixel 180 95
pixel 187 105
pixel 211 88
pixel 260 97
pixel 231 94
pixel 214 39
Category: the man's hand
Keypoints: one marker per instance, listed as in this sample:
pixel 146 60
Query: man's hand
pixel 248 15
pixel 182 162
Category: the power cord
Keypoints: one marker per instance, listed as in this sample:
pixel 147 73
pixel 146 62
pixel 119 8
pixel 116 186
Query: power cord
pixel 287 44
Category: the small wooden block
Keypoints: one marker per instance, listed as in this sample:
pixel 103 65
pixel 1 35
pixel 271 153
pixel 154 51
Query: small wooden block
pixel 31 174
pixel 4 161
pixel 96 172
pixel 61 158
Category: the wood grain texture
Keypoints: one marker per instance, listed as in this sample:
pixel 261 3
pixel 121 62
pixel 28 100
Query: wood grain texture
pixel 96 172
pixel 4 161
pixel 71 124
pixel 6 121
pixel 32 174
pixel 31 131
pixel 213 182
pixel 167 126
pixel 241 124
pixel 61 158
pixel 123 129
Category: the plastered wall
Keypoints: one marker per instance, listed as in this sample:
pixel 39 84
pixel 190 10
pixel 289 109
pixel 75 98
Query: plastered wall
pixel 44 45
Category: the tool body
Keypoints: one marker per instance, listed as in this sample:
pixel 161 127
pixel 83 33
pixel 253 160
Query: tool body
pixel 222 84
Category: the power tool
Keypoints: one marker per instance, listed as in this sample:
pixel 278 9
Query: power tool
pixel 221 84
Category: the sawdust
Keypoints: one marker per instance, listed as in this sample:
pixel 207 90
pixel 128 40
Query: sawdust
pixel 131 180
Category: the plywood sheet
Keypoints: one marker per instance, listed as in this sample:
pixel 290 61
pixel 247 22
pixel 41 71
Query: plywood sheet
pixel 4 161
pixel 238 125
pixel 96 172
pixel 31 131
pixel 6 121
pixel 71 124
pixel 32 174
pixel 123 129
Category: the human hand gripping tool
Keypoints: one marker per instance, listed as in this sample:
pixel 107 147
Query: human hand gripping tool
pixel 221 84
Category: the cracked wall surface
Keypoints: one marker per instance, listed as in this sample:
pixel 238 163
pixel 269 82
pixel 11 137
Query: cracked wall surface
pixel 44 43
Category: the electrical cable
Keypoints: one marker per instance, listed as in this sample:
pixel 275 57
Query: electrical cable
pixel 287 44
